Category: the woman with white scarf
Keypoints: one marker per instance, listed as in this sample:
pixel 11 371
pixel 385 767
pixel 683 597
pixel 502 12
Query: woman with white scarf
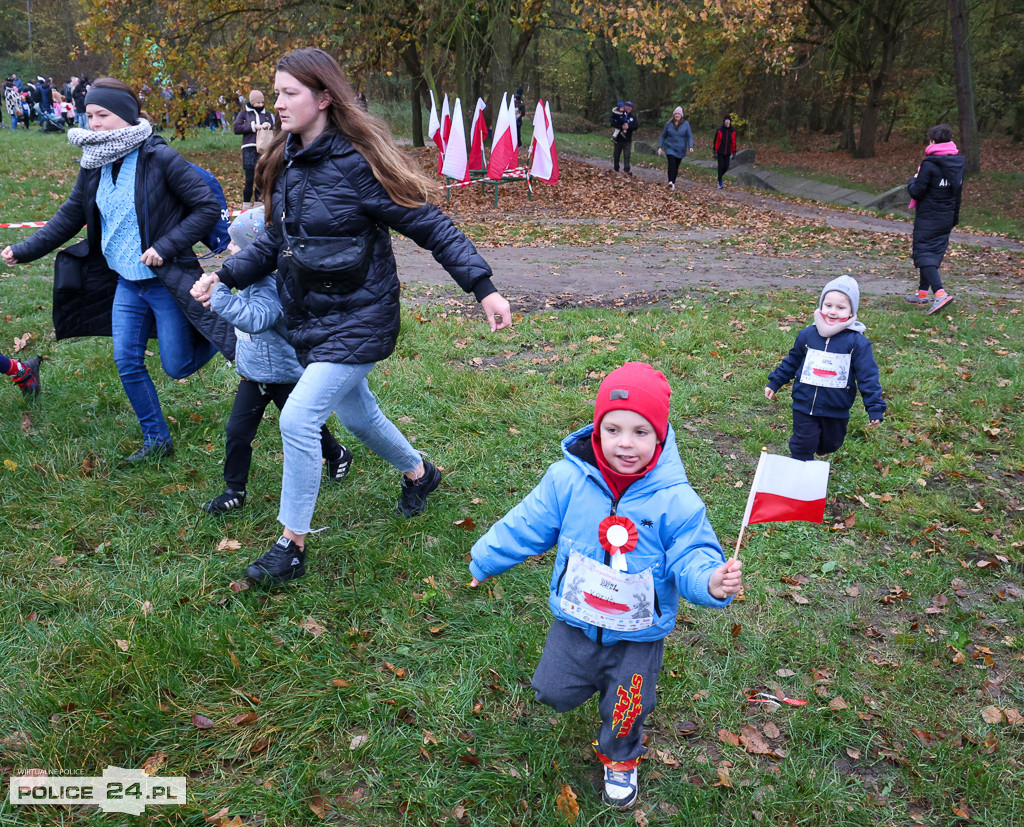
pixel 144 207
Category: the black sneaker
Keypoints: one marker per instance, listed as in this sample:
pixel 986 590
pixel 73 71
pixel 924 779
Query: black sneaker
pixel 283 562
pixel 227 501
pixel 337 469
pixel 28 377
pixel 414 493
pixel 154 450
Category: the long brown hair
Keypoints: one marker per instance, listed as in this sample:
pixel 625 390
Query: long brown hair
pixel 121 86
pixel 315 69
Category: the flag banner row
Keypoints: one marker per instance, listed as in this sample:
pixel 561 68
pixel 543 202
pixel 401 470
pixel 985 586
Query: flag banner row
pixel 448 132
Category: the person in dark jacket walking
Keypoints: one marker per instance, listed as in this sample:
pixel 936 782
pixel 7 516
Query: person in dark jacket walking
pixel 624 124
pixel 829 361
pixel 335 184
pixel 78 98
pixel 725 147
pixel 250 120
pixel 676 139
pixel 144 207
pixel 935 191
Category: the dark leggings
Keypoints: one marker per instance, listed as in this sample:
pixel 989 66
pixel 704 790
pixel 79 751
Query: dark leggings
pixel 723 166
pixel 673 167
pixel 251 400
pixel 930 279
pixel 249 159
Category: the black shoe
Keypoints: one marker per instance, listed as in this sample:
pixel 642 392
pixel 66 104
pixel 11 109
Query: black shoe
pixel 28 377
pixel 283 562
pixel 227 501
pixel 337 469
pixel 154 450
pixel 414 493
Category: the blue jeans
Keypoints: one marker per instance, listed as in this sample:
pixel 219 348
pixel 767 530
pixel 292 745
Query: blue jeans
pixel 138 307
pixel 322 388
pixel 82 120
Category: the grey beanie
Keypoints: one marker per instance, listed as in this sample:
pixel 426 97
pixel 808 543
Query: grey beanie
pixel 846 285
pixel 247 226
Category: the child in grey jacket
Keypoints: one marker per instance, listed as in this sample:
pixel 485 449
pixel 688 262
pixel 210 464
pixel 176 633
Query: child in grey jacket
pixel 268 368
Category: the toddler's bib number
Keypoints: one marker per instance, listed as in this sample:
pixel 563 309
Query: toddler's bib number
pixel 601 596
pixel 826 370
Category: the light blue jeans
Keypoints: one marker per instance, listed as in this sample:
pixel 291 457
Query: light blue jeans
pixel 322 388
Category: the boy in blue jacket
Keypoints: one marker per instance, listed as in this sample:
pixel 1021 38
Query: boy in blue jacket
pixel 632 537
pixel 829 360
pixel 267 367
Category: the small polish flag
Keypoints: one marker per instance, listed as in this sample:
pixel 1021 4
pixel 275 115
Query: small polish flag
pixel 550 129
pixel 478 134
pixel 455 165
pixel 434 125
pixel 787 489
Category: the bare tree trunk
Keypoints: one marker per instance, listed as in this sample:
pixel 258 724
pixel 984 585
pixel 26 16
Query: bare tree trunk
pixel 964 86
pixel 415 87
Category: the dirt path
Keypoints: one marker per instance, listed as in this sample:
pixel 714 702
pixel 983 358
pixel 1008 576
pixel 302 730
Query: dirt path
pixel 649 270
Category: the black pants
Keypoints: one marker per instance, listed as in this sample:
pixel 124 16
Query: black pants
pixel 816 435
pixel 673 167
pixel 251 400
pixel 249 159
pixel 930 279
pixel 622 148
pixel 723 166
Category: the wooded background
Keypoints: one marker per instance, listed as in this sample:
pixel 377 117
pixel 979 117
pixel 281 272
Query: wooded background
pixel 860 69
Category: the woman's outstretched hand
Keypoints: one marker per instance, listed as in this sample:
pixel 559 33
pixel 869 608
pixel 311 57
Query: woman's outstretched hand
pixel 203 287
pixel 8 256
pixel 498 311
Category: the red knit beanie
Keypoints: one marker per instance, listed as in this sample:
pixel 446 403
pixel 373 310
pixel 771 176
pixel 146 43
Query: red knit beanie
pixel 637 387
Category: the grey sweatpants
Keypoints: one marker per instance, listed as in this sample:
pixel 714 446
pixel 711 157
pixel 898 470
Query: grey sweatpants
pixel 625 674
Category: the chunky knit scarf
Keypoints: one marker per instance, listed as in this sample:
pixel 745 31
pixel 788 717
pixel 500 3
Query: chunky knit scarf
pixel 108 145
pixel 827 331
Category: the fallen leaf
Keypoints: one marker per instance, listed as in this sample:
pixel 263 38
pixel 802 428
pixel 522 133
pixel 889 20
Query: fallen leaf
pixel 568 806
pixel 961 810
pixel 318 806
pixel 147 609
pixel 853 753
pixel 771 730
pixel 238 586
pixel 837 703
pixel 753 742
pixel 152 765
pixel 201 722
pixel 121 644
pixel 992 715
pixel 723 778
pixel 310 625
pixel 244 718
pixel 727 737
pixel 785 673
pixel 225 544
pixel 467 523
pixel 340 682
pixel 358 741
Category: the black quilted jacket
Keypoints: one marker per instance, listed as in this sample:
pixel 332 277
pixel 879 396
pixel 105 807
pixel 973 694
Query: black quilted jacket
pixel 175 208
pixel 331 192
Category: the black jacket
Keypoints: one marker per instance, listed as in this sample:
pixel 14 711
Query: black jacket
pixel 244 121
pixel 937 189
pixel 333 188
pixel 626 123
pixel 176 208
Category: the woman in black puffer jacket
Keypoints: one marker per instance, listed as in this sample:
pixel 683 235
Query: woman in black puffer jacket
pixel 935 192
pixel 335 183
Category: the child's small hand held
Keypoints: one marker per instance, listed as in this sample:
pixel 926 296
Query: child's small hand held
pixel 726 580
pixel 769 393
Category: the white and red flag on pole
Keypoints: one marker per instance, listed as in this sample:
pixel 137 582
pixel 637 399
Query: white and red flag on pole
pixel 443 132
pixel 478 134
pixel 455 165
pixel 503 144
pixel 540 149
pixel 550 129
pixel 787 489
pixel 434 125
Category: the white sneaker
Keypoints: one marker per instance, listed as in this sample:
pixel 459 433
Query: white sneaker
pixel 671 185
pixel 620 788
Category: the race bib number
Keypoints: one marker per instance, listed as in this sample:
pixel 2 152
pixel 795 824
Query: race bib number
pixel 599 595
pixel 242 336
pixel 826 370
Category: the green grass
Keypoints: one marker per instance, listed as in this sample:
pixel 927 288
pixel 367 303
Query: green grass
pixel 901 620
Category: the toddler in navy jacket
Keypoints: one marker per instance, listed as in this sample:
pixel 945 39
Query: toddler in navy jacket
pixel 633 537
pixel 829 361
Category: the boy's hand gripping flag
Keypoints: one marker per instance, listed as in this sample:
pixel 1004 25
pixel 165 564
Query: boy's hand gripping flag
pixel 785 489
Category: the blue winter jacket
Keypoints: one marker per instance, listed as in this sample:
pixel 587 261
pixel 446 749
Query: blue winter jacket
pixel 263 352
pixel 675 140
pixel 675 538
pixel 834 402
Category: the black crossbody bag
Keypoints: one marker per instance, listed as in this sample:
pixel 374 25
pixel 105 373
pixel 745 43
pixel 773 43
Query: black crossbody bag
pixel 326 264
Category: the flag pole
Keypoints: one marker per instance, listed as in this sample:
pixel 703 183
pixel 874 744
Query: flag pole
pixel 750 502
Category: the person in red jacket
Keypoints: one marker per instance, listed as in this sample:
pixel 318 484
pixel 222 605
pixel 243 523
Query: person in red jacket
pixel 725 147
